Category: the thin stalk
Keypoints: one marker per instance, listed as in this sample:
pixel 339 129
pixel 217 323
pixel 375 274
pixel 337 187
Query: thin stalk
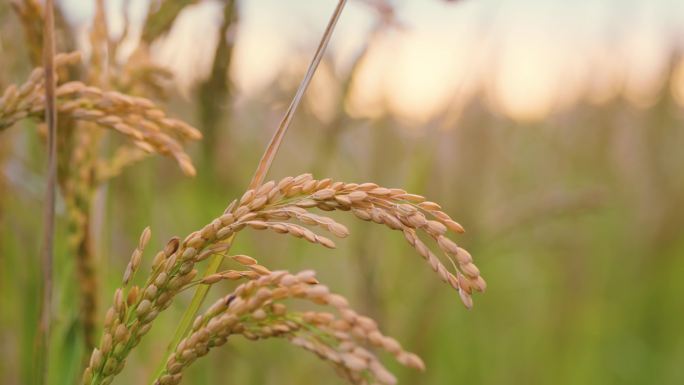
pixel 49 209
pixel 257 180
pixel 82 198
pixel 274 144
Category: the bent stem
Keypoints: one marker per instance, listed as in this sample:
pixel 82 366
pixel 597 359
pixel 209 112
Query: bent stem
pixel 258 178
pixel 43 344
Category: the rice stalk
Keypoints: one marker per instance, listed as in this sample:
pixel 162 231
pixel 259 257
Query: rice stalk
pixel 47 259
pixel 215 91
pixel 160 18
pixel 284 207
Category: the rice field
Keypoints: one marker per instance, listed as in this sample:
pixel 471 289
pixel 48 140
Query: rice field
pixel 297 233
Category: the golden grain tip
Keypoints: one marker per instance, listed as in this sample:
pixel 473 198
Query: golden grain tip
pixel 132 295
pixel 143 307
pixel 118 300
pixel 95 359
pixel 448 245
pixel 189 253
pixel 413 361
pixel 187 168
pixel 193 133
pixel 470 270
pixel 479 284
pixel 436 227
pixel 430 206
pixel 232 275
pixel 211 279
pixel 454 226
pixel 466 298
pixel 259 269
pixel 158 259
pixel 357 196
pixel 87 374
pixel 150 292
pixel 326 242
pixel 463 256
pixel 257 225
pixel 353 362
pixel 171 246
pixel 265 188
pixel 121 333
pixel 382 374
pixel 324 194
pixel 244 260
pixel 145 237
pixel 339 230
pixel 247 196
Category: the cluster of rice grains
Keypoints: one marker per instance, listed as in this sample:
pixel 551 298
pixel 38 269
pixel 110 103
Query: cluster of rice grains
pixel 254 309
pixel 135 117
pixel 271 204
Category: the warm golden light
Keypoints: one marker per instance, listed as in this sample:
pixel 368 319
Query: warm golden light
pixel 525 85
pixel 417 73
pixel 678 83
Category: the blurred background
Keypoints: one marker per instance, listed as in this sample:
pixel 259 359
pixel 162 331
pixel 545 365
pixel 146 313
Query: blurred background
pixel 552 130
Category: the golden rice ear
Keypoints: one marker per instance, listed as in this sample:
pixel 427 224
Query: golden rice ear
pixel 139 119
pixel 292 198
pixel 255 310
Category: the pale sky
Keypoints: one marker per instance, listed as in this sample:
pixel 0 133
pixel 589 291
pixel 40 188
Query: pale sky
pixel 529 56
